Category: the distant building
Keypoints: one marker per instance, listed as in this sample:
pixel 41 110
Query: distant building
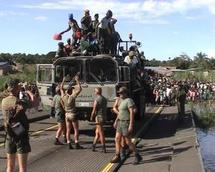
pixel 5 68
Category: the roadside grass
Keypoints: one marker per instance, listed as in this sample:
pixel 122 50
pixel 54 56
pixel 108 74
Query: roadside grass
pixel 204 114
pixel 195 76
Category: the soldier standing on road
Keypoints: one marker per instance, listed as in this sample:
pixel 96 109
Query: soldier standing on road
pixel 14 112
pixel 71 113
pixel 99 112
pixel 181 98
pixel 124 108
pixel 58 111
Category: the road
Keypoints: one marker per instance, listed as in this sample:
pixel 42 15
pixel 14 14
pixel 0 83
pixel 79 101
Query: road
pixel 46 156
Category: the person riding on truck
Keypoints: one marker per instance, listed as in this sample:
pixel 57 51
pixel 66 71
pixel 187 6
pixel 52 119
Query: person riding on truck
pixel 76 29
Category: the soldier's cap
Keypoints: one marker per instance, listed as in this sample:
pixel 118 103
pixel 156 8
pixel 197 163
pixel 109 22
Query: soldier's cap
pixel 122 90
pixel 13 83
pixel 131 54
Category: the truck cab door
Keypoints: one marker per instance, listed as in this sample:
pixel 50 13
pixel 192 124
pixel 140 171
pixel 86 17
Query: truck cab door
pixel 45 82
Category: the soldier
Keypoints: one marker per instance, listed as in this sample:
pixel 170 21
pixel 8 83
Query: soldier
pixel 124 108
pixel 181 98
pixel 16 141
pixel 99 113
pixel 57 109
pixel 68 100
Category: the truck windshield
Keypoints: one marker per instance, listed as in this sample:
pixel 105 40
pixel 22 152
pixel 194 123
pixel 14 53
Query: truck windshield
pixel 101 71
pixel 68 69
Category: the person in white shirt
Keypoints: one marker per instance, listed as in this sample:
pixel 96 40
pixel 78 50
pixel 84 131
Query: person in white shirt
pixel 131 59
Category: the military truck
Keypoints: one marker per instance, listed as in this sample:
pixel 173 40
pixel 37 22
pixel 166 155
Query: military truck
pixel 101 70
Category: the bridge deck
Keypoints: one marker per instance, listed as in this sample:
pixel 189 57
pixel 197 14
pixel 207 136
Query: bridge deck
pixel 164 147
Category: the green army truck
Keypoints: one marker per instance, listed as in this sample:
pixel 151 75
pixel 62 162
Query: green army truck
pixel 102 70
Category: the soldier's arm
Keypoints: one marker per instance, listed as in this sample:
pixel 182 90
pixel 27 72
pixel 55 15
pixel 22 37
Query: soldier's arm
pixel 115 107
pixel 131 124
pixel 61 87
pixel 93 113
pixel 79 88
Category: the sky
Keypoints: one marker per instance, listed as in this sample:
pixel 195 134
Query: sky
pixel 166 28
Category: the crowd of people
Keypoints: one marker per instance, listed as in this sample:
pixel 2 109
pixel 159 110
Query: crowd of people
pixel 93 37
pixel 163 90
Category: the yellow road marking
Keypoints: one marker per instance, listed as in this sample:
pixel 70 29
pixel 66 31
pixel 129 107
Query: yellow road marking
pixel 134 140
pixel 41 131
pixel 108 167
pixel 38 132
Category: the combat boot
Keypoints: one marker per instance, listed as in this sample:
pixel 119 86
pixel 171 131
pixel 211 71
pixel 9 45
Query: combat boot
pixel 57 142
pixel 104 149
pixel 93 147
pixel 78 146
pixel 137 159
pixel 70 145
pixel 116 159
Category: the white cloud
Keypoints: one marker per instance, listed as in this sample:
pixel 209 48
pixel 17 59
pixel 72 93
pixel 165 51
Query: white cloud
pixel 11 13
pixel 141 11
pixel 191 18
pixel 40 18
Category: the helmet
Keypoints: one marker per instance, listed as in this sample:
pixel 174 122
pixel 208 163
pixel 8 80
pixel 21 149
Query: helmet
pixel 57 36
pixel 70 16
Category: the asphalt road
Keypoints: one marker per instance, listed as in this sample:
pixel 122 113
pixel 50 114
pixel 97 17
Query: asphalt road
pixel 46 156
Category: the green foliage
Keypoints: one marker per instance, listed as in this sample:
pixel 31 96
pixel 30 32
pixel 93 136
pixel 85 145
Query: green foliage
pixel 27 58
pixel 205 113
pixel 27 74
pixel 183 61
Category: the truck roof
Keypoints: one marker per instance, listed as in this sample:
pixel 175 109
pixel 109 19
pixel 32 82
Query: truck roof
pixel 100 56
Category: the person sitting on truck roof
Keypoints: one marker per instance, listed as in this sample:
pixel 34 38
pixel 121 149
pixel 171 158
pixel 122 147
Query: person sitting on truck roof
pixel 68 47
pixel 131 59
pixel 76 29
pixel 61 52
pixel 84 44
